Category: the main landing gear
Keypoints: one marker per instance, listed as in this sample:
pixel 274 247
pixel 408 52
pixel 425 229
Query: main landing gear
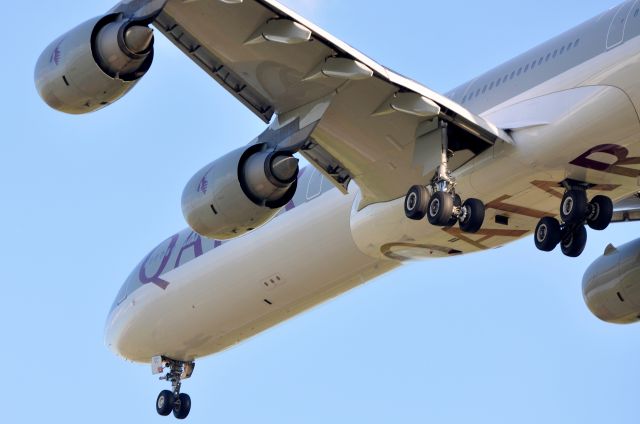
pixel 439 202
pixel 172 400
pixel 575 212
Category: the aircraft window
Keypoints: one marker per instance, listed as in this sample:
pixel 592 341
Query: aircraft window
pixel 513 74
pixel 519 71
pixel 464 99
pixel 477 92
pixel 533 65
pixel 540 61
pixel 635 15
pixel 555 53
pixel 526 68
pixel 484 90
pixel 546 59
pixel 491 85
pixel 470 96
pixel 506 77
pixel 498 83
pixel 569 46
pixel 575 44
pixel 562 50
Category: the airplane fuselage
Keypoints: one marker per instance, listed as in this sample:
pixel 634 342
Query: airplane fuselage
pixel 570 106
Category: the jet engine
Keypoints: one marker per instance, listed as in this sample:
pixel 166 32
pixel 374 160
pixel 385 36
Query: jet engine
pixel 94 64
pixel 239 192
pixel 611 285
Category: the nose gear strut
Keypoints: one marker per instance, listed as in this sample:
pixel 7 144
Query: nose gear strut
pixel 172 400
pixel 439 201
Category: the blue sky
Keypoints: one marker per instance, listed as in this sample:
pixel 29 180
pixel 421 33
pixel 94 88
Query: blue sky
pixel 498 337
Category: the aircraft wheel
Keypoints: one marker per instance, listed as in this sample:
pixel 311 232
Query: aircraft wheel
pixel 547 234
pixel 457 203
pixel 574 243
pixel 574 206
pixel 472 216
pixel 165 403
pixel 416 202
pixel 182 407
pixel 601 213
pixel 440 209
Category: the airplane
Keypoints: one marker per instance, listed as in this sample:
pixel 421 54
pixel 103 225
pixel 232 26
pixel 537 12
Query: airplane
pixel 547 144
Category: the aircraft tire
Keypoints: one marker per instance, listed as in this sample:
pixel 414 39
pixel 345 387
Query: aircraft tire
pixel 472 216
pixel 416 202
pixel 547 234
pixel 574 206
pixel 165 403
pixel 182 407
pixel 440 209
pixel 601 213
pixel 573 244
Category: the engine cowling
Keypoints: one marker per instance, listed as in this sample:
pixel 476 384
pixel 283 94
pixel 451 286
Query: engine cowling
pixel 239 192
pixel 611 285
pixel 94 64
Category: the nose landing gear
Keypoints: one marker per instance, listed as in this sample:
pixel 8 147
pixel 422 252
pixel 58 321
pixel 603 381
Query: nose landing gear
pixel 172 400
pixel 575 212
pixel 439 202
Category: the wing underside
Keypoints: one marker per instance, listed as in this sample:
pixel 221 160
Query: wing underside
pixel 276 62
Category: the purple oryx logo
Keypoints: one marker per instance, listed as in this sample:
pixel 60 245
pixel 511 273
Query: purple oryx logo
pixel 203 185
pixel 56 55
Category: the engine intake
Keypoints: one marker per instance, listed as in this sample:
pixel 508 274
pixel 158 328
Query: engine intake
pixel 239 192
pixel 94 64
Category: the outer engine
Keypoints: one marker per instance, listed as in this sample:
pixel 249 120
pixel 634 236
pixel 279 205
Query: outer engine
pixel 611 285
pixel 239 192
pixel 94 64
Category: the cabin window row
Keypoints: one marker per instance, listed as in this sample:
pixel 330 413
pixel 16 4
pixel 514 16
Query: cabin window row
pixel 522 70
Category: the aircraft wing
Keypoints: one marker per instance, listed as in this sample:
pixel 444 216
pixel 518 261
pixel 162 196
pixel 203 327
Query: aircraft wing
pixel 276 62
pixel 627 210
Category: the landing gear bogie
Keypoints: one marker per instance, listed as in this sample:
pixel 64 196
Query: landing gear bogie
pixel 438 200
pixel 575 213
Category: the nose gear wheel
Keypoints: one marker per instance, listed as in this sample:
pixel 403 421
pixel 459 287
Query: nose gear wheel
pixel 169 401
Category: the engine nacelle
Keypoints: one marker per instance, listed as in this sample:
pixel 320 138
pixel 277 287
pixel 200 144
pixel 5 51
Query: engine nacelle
pixel 611 285
pixel 239 192
pixel 94 64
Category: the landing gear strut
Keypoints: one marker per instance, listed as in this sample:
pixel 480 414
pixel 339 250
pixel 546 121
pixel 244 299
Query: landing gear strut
pixel 172 400
pixel 439 202
pixel 575 212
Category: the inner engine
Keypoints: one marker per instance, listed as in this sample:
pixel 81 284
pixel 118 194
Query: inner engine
pixel 611 285
pixel 239 192
pixel 94 64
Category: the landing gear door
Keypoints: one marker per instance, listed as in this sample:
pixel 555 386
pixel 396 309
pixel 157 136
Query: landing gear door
pixel 615 36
